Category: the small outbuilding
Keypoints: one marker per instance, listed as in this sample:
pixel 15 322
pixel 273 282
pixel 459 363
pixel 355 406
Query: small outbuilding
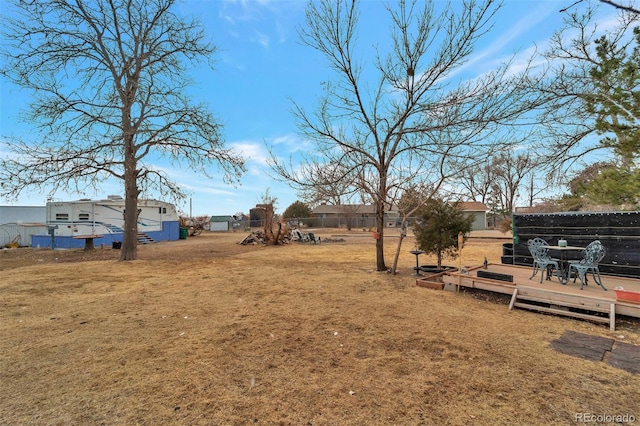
pixel 478 211
pixel 19 223
pixel 20 234
pixel 220 223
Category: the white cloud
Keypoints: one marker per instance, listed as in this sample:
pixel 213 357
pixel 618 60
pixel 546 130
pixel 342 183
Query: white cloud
pixel 486 58
pixel 230 20
pixel 197 186
pixel 252 151
pixel 261 38
pixel 290 143
pixel 262 20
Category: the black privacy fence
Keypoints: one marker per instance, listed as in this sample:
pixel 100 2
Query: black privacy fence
pixel 619 232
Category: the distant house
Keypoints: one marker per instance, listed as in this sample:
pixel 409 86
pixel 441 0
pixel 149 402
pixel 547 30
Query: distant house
pixel 364 215
pixel 479 212
pixel 352 216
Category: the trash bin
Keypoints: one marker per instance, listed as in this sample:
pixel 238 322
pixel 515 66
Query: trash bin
pixel 183 233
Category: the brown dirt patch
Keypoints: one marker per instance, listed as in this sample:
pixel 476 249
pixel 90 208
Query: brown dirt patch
pixel 205 331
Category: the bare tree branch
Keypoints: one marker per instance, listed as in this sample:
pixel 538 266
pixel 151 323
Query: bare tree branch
pixel 617 5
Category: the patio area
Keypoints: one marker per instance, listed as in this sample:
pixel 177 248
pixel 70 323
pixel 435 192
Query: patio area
pixel 591 303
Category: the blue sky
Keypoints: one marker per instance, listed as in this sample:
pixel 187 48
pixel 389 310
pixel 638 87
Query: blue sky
pixel 261 67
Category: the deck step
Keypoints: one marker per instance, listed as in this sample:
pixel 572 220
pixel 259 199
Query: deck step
pixel 566 304
pixel 566 307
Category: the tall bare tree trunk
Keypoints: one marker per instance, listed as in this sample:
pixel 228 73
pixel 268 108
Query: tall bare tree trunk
pixel 130 237
pixel 380 265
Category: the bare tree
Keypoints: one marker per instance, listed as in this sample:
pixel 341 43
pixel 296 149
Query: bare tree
pixel 274 227
pixel 510 170
pixel 109 94
pixel 416 118
pixel 593 89
pixel 475 182
pixel 267 198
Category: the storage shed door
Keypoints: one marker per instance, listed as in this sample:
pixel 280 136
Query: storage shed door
pixel 219 226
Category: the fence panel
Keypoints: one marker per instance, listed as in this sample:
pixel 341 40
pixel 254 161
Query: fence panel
pixel 619 232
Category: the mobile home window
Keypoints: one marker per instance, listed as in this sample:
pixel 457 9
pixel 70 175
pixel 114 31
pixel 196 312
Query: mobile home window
pixel 62 216
pixel 83 216
pixel 162 210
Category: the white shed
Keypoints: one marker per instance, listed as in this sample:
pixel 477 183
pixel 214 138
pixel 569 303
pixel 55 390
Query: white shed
pixel 220 223
pixel 19 234
pixel 19 223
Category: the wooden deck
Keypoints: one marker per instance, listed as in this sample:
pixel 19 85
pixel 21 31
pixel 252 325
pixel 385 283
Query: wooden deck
pixel 592 303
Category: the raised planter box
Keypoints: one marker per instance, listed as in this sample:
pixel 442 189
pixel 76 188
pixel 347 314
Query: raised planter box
pixel 430 282
pixel 627 296
pixel 433 277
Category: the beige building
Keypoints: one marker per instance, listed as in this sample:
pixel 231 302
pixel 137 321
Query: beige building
pixel 364 216
pixel 479 212
pixel 352 216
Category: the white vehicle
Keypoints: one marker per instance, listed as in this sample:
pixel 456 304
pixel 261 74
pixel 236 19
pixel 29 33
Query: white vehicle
pixel 70 223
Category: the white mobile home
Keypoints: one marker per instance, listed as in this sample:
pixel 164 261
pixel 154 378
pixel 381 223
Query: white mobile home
pixel 70 222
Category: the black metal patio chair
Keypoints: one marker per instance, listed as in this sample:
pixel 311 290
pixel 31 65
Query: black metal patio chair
pixel 541 259
pixel 591 257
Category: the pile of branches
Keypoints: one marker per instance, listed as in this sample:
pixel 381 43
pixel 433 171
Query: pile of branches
pixel 259 237
pixel 256 237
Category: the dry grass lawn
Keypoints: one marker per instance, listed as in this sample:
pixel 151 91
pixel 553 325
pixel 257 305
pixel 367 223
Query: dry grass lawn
pixel 205 331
